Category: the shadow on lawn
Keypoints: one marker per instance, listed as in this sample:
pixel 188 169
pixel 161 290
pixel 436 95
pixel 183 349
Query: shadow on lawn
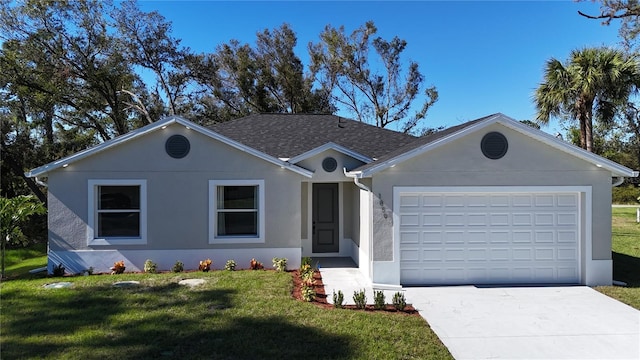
pixel 625 268
pixel 168 322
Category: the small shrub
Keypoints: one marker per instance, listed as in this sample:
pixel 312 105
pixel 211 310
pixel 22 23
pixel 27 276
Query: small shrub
pixel 150 267
pixel 379 300
pixel 280 263
pixel 255 265
pixel 338 299
pixel 230 265
pixel 88 271
pixel 399 301
pixel 360 299
pixel 58 270
pixel 308 293
pixel 306 276
pixel 305 261
pixel 177 267
pixel 118 267
pixel 205 265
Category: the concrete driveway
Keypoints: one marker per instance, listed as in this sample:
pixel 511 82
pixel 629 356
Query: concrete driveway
pixel 574 322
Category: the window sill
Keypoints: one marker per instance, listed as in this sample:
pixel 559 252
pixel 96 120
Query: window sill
pixel 117 241
pixel 236 240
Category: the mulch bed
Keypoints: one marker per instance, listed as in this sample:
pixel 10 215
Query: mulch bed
pixel 321 297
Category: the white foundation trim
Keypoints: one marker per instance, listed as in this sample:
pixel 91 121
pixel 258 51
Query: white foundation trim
pixel 599 273
pixel 75 261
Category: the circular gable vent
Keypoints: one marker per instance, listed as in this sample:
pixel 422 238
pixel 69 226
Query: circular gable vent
pixel 494 145
pixel 177 146
pixel 329 164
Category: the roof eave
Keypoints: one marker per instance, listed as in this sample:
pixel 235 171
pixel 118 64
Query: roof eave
pixel 330 146
pixel 43 170
pixel 615 168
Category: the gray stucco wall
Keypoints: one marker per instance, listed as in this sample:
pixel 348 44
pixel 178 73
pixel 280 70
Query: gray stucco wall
pixel 461 163
pixel 177 192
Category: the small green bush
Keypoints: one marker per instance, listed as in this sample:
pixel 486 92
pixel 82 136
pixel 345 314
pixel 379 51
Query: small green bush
pixel 360 299
pixel 338 299
pixel 58 270
pixel 399 301
pixel 280 263
pixel 150 267
pixel 230 265
pixel 305 261
pixel 625 195
pixel 178 267
pixel 308 293
pixel 379 300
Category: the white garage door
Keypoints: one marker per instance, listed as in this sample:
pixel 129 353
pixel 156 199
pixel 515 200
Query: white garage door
pixel 488 238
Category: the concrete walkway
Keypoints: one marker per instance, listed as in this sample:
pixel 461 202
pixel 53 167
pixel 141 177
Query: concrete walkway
pixel 569 322
pixel 341 274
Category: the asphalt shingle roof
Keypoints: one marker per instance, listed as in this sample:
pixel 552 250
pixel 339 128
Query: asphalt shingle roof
pixel 289 135
pixel 421 141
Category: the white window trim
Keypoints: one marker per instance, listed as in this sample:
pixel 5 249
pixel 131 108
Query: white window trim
pixel 92 210
pixel 213 218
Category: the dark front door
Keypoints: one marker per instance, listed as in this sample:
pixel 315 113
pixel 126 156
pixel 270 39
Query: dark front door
pixel 325 218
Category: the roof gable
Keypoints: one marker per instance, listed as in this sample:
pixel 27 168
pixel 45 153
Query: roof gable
pixel 159 125
pixel 431 142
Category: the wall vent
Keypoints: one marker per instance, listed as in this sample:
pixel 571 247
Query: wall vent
pixel 494 145
pixel 177 146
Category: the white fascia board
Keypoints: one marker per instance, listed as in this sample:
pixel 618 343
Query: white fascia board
pixel 244 148
pixel 101 147
pixel 615 168
pixel 425 148
pixel 599 161
pixel 330 146
pixel 161 124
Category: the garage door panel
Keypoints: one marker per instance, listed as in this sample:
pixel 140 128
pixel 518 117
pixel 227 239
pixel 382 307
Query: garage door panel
pixel 409 220
pixel 522 254
pixel 432 255
pixel 500 237
pixel 567 236
pixel 522 236
pixel 409 237
pixel 454 237
pixel 432 237
pixel 489 238
pixel 454 201
pixel 477 237
pixel 567 219
pixel 477 255
pixel 432 220
pixel 499 219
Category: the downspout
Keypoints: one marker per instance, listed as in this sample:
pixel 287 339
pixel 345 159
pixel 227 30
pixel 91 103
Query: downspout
pixel 40 182
pixel 362 186
pixel 619 181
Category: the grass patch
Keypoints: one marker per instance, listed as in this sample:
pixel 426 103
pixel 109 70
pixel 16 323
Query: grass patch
pixel 626 257
pixel 234 315
pixel 19 261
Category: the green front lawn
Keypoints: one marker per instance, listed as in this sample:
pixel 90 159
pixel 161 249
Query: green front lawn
pixel 18 262
pixel 626 257
pixel 235 315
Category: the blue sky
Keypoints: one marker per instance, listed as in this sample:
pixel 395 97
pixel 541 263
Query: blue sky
pixel 483 57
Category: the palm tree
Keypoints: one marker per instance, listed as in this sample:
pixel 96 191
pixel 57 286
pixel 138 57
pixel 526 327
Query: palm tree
pixel 593 81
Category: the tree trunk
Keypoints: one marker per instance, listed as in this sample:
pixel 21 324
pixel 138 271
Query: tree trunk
pixel 13 164
pixel 588 126
pixel 4 249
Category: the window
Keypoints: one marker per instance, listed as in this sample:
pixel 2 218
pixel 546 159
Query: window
pixel 117 212
pixel 236 209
